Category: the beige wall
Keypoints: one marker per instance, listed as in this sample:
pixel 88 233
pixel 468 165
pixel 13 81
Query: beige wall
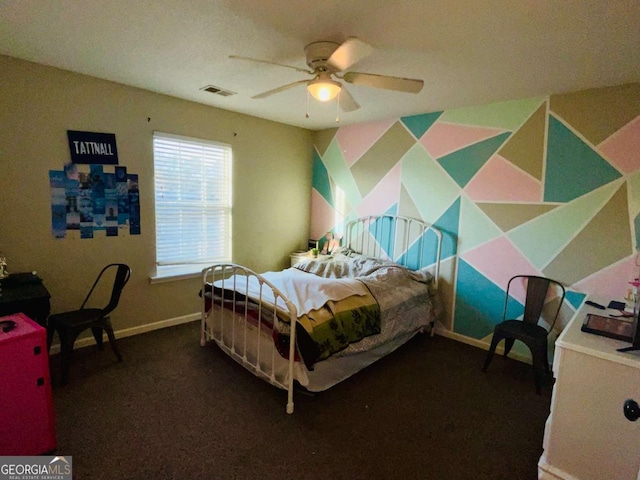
pixel 272 181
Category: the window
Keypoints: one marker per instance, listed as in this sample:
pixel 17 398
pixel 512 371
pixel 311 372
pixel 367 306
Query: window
pixel 193 203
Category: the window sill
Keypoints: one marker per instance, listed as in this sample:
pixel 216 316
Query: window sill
pixel 179 273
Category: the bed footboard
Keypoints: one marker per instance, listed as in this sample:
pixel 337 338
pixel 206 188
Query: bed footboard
pixel 240 312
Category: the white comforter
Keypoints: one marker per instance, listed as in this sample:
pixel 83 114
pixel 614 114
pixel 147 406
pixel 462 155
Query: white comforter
pixel 305 290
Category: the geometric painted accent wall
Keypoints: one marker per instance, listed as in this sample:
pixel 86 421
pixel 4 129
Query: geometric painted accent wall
pixel 547 186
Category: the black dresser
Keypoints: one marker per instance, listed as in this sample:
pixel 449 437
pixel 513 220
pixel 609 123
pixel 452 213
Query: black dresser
pixel 25 292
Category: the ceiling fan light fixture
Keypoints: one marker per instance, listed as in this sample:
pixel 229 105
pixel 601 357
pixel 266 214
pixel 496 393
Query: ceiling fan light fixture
pixel 323 88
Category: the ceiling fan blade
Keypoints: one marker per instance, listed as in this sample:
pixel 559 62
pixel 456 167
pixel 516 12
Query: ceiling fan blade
pixel 349 53
pixel 347 102
pixel 280 89
pixel 237 57
pixel 409 85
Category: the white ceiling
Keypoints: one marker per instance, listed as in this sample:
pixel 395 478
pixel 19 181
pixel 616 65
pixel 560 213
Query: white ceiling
pixel 468 52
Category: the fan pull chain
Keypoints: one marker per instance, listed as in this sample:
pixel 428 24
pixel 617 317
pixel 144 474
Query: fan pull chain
pixel 338 108
pixel 306 115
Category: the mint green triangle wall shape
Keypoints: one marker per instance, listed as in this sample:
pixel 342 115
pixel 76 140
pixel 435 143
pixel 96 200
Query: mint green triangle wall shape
pixel 339 171
pixel 430 188
pixel 418 124
pixel 573 167
pixel 463 164
pixel 509 115
pixel 542 238
pixel 320 180
pixel 423 252
pixel 476 227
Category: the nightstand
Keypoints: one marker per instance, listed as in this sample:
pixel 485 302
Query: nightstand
pixel 300 256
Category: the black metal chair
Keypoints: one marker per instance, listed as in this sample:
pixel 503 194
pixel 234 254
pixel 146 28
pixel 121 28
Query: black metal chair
pixel 528 330
pixel 70 325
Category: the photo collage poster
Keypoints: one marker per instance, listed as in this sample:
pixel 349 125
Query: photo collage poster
pixel 88 199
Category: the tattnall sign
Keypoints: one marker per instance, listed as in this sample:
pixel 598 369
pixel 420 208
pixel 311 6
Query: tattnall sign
pixel 46 467
pixel 93 148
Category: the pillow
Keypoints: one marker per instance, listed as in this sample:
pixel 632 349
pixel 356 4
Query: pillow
pixel 423 275
pixel 361 265
pixel 343 266
pixel 328 268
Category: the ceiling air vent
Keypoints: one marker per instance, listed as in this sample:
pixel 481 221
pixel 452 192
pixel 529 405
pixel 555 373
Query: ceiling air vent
pixel 218 91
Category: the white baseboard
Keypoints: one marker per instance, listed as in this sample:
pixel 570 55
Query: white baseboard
pixel 480 344
pixel 548 472
pixel 128 332
pixel 149 327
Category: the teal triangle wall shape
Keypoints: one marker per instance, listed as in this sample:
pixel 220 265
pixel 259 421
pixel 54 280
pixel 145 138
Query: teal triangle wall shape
pixel 320 179
pixel 392 210
pixel 448 224
pixel 382 229
pixel 480 303
pixel 421 253
pixel 463 164
pixel 573 167
pixel 419 124
pixel 575 298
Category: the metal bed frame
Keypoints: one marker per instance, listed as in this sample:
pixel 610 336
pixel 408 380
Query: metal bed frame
pixel 386 237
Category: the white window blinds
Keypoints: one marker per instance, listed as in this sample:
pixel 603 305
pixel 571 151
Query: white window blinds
pixel 193 202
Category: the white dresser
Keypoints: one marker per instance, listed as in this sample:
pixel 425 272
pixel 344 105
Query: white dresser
pixel 300 256
pixel 587 436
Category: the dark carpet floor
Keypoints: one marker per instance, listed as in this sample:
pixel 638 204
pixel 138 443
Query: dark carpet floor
pixel 175 410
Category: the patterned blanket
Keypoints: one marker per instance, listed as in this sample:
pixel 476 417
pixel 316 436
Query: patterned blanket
pixel 408 300
pixel 337 324
pixel 331 313
pixel 340 303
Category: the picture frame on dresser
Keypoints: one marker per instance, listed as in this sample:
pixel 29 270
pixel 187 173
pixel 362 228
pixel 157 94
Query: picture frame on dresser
pixel 617 328
pixel 635 340
pixel 635 331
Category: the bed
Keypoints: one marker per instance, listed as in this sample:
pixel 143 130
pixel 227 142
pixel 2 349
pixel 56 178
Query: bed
pixel 323 320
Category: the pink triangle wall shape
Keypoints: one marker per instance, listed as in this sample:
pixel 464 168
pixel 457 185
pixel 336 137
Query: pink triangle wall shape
pixel 623 147
pixel 613 281
pixel 510 263
pixel 384 194
pixel 443 138
pixel 355 140
pixel 500 181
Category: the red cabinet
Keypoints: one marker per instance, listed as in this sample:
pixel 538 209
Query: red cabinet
pixel 26 406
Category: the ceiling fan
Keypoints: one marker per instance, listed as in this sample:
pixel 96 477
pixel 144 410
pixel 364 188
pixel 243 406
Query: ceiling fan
pixel 327 60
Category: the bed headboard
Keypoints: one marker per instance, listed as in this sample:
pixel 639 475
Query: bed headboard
pixel 407 241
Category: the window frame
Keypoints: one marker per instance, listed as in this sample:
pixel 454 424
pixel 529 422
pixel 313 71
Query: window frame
pixel 215 156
